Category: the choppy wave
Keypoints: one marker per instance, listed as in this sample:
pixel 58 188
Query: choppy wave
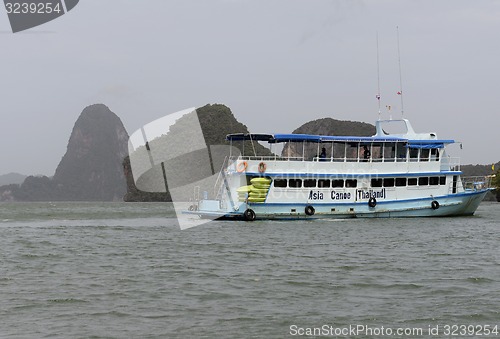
pixel 127 270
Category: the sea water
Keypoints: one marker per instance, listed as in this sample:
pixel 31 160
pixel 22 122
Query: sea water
pixel 126 270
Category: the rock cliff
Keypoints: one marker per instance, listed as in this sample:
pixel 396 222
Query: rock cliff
pixel 91 168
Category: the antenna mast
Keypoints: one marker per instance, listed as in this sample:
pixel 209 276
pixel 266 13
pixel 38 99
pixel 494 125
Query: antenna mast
pixel 400 76
pixel 378 81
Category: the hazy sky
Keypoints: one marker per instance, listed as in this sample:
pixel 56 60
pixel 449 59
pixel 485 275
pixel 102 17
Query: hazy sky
pixel 276 63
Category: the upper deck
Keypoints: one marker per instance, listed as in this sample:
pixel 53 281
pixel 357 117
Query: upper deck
pixel 406 152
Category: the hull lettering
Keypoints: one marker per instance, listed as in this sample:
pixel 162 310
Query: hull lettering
pixel 340 195
pixel 315 195
pixel 365 195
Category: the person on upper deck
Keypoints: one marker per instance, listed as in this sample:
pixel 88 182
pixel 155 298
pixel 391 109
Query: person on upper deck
pixel 322 156
pixel 366 153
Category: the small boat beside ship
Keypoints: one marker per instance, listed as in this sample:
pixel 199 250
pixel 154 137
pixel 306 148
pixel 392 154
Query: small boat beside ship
pixel 404 174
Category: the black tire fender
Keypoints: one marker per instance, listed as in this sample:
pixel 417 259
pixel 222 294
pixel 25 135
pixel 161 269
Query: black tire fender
pixel 434 205
pixel 309 210
pixel 249 215
pixel 372 202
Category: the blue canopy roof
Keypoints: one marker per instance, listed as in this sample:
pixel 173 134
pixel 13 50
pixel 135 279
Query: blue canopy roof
pixel 296 137
pixel 276 138
pixel 428 144
pixel 249 136
pixel 307 137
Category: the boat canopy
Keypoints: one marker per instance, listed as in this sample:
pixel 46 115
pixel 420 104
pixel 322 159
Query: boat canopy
pixel 249 136
pixel 328 138
pixel 277 138
pixel 428 144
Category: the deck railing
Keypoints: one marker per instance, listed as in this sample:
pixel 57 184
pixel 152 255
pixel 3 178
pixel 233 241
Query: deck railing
pixel 476 182
pixel 268 158
pixel 447 163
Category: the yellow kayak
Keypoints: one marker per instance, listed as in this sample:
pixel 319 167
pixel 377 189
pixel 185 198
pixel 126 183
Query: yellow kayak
pixel 244 189
pixel 257 194
pixel 256 199
pixel 260 181
pixel 258 190
pixel 261 186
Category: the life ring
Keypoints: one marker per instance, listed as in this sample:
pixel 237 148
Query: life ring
pixel 309 210
pixel 242 166
pixel 372 202
pixel 249 215
pixel 434 205
pixel 262 167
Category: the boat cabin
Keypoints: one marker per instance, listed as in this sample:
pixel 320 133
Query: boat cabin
pixel 382 147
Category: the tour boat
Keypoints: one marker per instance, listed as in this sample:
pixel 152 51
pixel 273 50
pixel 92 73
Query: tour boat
pixel 403 174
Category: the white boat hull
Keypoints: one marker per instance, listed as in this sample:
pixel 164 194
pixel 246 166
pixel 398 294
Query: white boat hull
pixel 462 204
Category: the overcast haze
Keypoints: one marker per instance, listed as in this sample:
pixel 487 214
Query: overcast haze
pixel 276 64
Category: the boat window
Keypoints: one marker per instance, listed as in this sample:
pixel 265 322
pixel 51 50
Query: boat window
pixel 442 180
pixel 422 181
pixel 295 183
pixel 376 182
pixel 413 154
pixel 322 183
pixel 324 151
pixel 389 182
pixel 424 154
pixel 365 153
pixel 310 183
pixel 293 151
pixel 280 183
pixel 339 151
pixel 412 181
pixel 352 152
pixel 400 181
pixel 351 183
pixel 337 183
pixel 435 154
pixel 401 151
pixel 389 151
pixel 434 181
pixel 377 152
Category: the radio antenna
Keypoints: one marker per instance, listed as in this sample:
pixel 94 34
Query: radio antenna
pixel 378 81
pixel 400 76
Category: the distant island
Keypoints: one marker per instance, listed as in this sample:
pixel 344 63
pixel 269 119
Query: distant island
pixel 91 168
pixel 96 166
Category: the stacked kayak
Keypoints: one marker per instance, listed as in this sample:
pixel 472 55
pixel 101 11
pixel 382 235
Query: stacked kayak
pixel 256 192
